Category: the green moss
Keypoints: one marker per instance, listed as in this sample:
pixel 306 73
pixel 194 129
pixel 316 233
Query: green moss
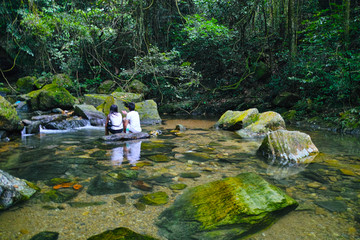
pixel 9 120
pixel 235 120
pixel 120 233
pixel 95 99
pixel 105 87
pixel 63 80
pixel 155 199
pixel 26 84
pixel 159 158
pixel 51 96
pixel 128 97
pixel 178 186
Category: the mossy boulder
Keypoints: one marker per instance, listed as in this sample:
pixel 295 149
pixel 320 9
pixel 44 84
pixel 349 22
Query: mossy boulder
pixel 235 120
pixel 148 112
pixel 9 119
pixel 128 97
pixel 231 208
pixel 95 99
pixel 49 97
pixel 120 233
pixel 14 190
pixel 266 122
pixel 63 80
pixel 155 199
pixel 110 100
pixel 88 112
pixel 26 84
pixel 287 147
pixel 106 87
pixel 137 86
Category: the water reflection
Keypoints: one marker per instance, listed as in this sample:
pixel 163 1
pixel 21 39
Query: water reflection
pixel 129 150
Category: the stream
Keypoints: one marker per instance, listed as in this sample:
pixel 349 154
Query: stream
pixel 327 189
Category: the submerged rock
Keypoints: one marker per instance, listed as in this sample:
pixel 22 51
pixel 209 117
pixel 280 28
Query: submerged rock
pixel 155 199
pixel 235 120
pixel 284 147
pixel 225 209
pixel 104 184
pixel 125 136
pixel 14 190
pixel 46 236
pixel 120 233
pixel 9 119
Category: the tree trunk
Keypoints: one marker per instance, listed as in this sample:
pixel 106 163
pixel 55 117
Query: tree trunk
pixel 292 28
pixel 346 21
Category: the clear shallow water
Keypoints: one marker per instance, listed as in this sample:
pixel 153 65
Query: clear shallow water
pixel 333 178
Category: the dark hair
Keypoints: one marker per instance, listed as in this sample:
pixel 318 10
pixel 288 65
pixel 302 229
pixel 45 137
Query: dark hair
pixel 131 106
pixel 113 108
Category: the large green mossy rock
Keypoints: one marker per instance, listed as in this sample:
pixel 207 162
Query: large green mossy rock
pixel 137 86
pixel 128 97
pixel 231 208
pixel 106 87
pixel 63 80
pixel 95 99
pixel 120 233
pixel 14 190
pixel 9 119
pixel 26 84
pixel 51 96
pixel 235 120
pixel 286 147
pixel 266 122
pixel 148 112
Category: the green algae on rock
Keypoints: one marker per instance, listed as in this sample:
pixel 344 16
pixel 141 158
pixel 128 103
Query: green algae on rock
pixel 120 233
pixel 288 146
pixel 266 122
pixel 14 190
pixel 148 112
pixel 106 87
pixel 159 158
pixel 51 96
pixel 26 84
pixel 155 199
pixel 178 186
pixel 105 184
pixel 225 209
pixel 46 235
pixel 9 119
pixel 235 120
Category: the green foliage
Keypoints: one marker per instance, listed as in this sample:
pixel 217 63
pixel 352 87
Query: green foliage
pixel 166 75
pixel 326 70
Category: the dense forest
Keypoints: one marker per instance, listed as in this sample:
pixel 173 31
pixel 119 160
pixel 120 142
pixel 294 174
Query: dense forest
pixel 301 58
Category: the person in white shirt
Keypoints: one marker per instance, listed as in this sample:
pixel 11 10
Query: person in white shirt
pixel 114 119
pixel 132 119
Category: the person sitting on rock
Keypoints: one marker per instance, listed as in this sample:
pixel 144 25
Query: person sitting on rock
pixel 132 119
pixel 114 121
